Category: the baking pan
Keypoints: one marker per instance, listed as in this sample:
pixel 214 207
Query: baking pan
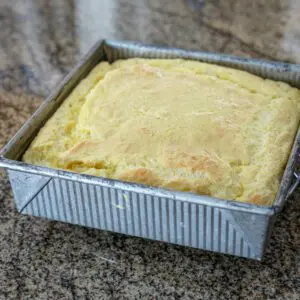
pixel 204 222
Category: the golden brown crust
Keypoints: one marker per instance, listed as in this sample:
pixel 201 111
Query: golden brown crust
pixel 175 124
pixel 141 175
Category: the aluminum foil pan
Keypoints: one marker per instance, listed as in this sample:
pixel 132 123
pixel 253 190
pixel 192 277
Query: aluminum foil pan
pixel 187 219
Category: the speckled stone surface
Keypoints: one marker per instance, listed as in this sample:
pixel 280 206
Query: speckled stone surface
pixel 39 259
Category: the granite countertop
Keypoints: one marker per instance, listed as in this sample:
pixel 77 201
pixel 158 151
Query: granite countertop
pixel 40 41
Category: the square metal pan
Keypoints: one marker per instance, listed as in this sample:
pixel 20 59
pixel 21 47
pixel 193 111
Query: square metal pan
pixel 181 218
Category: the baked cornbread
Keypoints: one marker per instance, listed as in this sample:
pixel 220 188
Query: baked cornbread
pixel 176 124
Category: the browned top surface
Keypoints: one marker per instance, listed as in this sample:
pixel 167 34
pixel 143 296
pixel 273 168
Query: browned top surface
pixel 40 41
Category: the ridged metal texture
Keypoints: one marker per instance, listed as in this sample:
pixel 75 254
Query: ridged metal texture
pixel 181 218
pixel 138 214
